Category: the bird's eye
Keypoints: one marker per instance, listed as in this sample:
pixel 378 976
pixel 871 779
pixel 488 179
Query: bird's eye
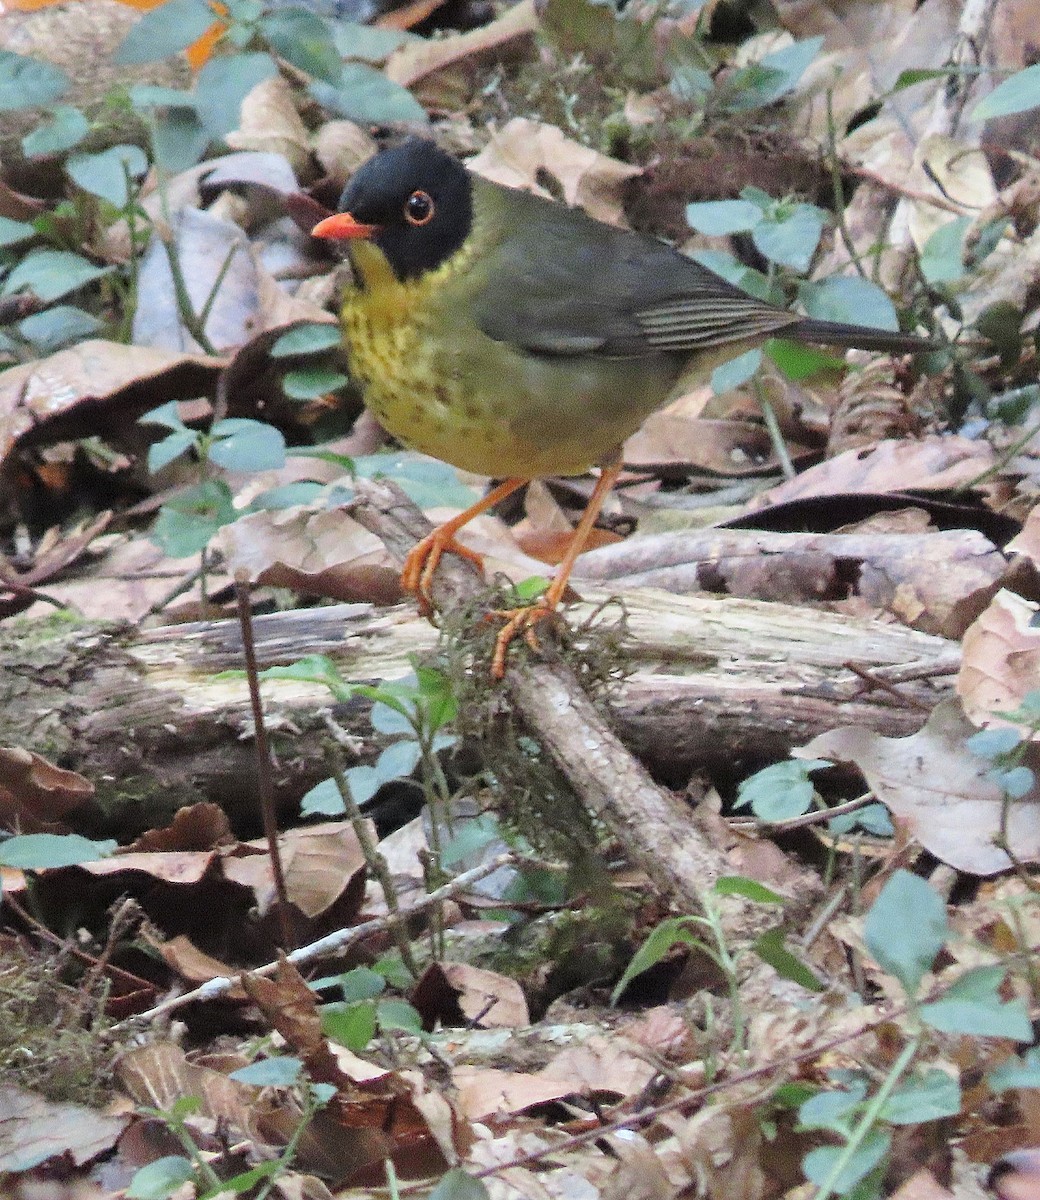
pixel 418 208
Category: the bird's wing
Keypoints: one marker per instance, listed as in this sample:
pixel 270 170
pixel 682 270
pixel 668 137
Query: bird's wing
pixel 554 281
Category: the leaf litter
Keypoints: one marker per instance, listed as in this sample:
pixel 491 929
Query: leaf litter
pixel 475 1067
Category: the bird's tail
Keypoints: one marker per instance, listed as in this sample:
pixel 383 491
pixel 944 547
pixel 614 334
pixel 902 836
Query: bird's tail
pixel 857 337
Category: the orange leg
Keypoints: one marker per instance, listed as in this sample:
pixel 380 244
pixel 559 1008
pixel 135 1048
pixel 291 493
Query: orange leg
pixel 527 617
pixel 419 566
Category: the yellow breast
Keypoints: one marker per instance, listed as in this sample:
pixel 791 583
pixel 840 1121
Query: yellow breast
pixel 443 387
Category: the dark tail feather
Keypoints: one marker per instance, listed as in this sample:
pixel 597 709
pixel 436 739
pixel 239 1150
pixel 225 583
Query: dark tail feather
pixel 856 337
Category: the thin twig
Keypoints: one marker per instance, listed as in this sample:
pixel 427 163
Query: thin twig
pixel 333 943
pixel 264 784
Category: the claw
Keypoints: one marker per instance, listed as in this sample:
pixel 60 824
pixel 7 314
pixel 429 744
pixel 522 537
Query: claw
pixel 422 562
pixel 517 619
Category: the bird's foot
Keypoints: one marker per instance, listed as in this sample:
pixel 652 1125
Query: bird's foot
pixel 422 561
pixel 518 620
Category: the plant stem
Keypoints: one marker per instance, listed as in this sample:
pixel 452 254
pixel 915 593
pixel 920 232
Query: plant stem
pixel 868 1120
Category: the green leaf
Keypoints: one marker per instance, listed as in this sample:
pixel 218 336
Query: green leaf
pixel 426 481
pixel 105 174
pixel 528 590
pixel 994 743
pixel 161 454
pixel 717 218
pixel 281 1071
pixel 223 84
pixel 364 782
pixel 351 1025
pixel 456 1184
pixel 28 82
pixel 1021 1072
pixel 322 800
pixel 311 383
pixel 167 415
pixel 397 761
pixel 186 523
pixel 781 791
pixel 241 444
pixel 386 719
pixel 66 128
pixel 303 491
pixel 798 361
pixel 770 948
pixel 973 1005
pixel 165 30
pixel 303 39
pixel 366 95
pixel 362 983
pixel 906 928
pixel 750 889
pixel 439 702
pixel 790 240
pixel 738 370
pixel 470 838
pixel 819 1163
pixel 834 1109
pixel 13 232
pixel 366 42
pixel 934 1095
pixel 849 298
pixel 671 932
pixel 179 139
pixel 58 326
pixel 35 851
pixel 398 1014
pixel 160 1178
pixel 792 62
pixel 1017 94
pixel 942 259
pixel 312 338
pixel 313 668
pixel 51 274
pixel 154 95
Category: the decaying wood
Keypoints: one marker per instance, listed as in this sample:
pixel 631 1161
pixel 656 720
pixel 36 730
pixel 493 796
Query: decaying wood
pixel 723 684
pixel 652 822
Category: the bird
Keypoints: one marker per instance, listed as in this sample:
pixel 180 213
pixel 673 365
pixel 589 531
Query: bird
pixel 515 337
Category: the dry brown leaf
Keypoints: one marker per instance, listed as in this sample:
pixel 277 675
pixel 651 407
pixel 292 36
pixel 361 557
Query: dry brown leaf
pixel 269 122
pixel 196 967
pixel 34 790
pixel 448 990
pixel 937 463
pixel 196 827
pixel 35 1131
pixel 96 388
pixel 601 1065
pixel 519 152
pixel 932 781
pixel 326 553
pixel 421 57
pixel 341 147
pixel 1001 661
pixel 158 1075
pixel 486 1092
pixel 1027 542
pixel 322 864
pixel 727 448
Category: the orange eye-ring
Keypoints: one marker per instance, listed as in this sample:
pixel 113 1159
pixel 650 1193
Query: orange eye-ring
pixel 419 208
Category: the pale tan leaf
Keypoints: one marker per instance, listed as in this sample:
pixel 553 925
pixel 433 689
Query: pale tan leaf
pixel 522 149
pixel 1001 660
pixel 932 781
